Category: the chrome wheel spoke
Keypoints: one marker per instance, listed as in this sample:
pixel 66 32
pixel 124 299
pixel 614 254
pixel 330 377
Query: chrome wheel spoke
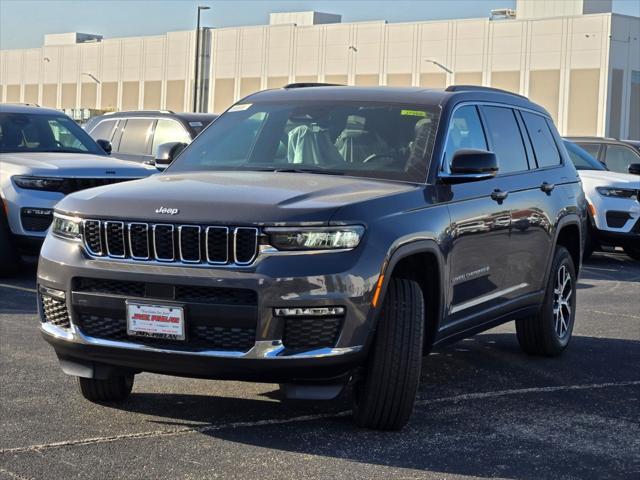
pixel 562 301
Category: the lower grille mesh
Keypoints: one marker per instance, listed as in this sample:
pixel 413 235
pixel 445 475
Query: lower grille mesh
pixel 55 311
pixel 311 332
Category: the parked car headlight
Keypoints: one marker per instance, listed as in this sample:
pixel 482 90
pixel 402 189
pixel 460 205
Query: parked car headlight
pixel 618 192
pixel 322 238
pixel 38 183
pixel 67 227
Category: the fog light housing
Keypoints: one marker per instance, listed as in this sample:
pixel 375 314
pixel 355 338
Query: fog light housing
pixel 309 312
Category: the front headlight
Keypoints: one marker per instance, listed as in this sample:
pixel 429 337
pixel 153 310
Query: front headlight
pixel 39 183
pixel 618 192
pixel 321 238
pixel 67 227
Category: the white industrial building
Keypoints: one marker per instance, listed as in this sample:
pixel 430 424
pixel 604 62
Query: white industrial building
pixel 575 57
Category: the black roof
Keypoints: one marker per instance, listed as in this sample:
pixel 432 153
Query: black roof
pixel 588 139
pixel 28 108
pixel 409 95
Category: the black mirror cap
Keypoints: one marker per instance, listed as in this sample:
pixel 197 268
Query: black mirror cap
pixel 474 162
pixel 634 168
pixel 167 153
pixel 104 145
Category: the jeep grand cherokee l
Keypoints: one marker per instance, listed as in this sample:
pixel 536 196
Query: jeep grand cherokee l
pixel 320 235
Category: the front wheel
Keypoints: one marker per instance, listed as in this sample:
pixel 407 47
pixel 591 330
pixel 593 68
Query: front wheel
pixel 549 332
pixel 384 397
pixel 112 389
pixel 633 252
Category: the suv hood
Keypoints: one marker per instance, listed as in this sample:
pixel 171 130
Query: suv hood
pixel 234 198
pixel 605 178
pixel 75 165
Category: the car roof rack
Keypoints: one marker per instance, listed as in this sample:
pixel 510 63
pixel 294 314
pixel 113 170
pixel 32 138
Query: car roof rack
pixel 140 111
pixel 23 104
pixel 478 88
pixel 312 84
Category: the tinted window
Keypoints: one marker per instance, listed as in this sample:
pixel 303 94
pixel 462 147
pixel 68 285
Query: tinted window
pixel 104 130
pixel 544 146
pixel 136 136
pixel 581 158
pixel 618 158
pixel 168 131
pixel 365 139
pixel 591 148
pixel 43 133
pixel 506 141
pixel 465 131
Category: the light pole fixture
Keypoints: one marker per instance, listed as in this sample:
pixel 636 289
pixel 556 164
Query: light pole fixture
pixel 438 64
pixel 197 62
pixel 353 49
pixel 92 77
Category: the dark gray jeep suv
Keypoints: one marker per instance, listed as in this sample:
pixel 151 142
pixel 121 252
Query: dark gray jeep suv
pixel 318 236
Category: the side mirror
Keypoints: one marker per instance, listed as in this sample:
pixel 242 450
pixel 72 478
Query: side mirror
pixel 634 168
pixel 167 153
pixel 471 165
pixel 104 145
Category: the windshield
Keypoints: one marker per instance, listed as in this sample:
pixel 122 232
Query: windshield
pixel 21 132
pixel 581 158
pixel 372 139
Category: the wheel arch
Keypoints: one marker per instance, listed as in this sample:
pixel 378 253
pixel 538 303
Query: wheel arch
pixel 570 234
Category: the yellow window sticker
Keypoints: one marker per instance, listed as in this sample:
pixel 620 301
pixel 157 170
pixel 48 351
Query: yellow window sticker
pixel 413 113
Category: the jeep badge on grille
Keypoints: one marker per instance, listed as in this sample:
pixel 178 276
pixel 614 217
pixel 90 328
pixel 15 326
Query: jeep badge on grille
pixel 167 211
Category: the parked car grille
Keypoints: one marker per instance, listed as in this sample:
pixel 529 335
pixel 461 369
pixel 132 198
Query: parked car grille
pixel 311 332
pixel 54 311
pixel 199 337
pixel 71 185
pixel 180 293
pixel 35 219
pixel 194 244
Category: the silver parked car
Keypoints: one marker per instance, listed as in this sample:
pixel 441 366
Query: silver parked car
pixel 45 155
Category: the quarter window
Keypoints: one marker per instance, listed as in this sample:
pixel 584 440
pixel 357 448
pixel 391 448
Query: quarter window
pixel 168 131
pixel 544 146
pixel 592 148
pixel 104 130
pixel 136 136
pixel 465 131
pixel 618 158
pixel 506 139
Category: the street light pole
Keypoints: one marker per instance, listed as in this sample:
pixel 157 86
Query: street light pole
pixel 438 64
pixel 197 60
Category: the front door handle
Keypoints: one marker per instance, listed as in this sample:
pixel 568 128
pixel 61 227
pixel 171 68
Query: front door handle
pixel 499 195
pixel 547 187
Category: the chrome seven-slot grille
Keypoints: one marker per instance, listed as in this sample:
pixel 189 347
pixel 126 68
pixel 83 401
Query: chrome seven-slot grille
pixel 164 242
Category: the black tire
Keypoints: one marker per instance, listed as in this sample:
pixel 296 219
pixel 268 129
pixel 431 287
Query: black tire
pixel 589 246
pixel 633 252
pixel 384 396
pixel 10 260
pixel 549 333
pixel 113 389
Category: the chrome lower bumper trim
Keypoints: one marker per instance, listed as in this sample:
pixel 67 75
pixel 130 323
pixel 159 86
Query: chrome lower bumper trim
pixel 269 349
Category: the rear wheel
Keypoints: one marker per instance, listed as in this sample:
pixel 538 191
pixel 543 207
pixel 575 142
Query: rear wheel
pixel 384 397
pixel 633 252
pixel 112 389
pixel 549 332
pixel 9 256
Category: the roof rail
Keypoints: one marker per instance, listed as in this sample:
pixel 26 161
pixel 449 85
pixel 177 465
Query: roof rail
pixel 24 104
pixel 312 84
pixel 478 88
pixel 139 111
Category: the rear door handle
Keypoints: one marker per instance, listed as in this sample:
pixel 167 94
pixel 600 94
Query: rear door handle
pixel 547 187
pixel 499 195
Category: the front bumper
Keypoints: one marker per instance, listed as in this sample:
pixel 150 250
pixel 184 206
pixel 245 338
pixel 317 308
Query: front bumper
pixel 279 281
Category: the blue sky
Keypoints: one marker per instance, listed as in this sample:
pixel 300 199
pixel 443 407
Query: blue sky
pixel 24 22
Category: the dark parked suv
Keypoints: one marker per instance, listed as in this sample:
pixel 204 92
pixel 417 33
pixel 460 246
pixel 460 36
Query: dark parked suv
pixel 137 135
pixel 316 236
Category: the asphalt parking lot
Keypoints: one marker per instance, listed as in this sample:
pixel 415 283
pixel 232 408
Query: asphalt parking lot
pixel 485 409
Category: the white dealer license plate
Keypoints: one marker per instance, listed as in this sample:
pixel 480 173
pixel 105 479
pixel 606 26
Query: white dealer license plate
pixel 155 321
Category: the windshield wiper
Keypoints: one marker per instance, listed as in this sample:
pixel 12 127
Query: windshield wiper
pixel 308 170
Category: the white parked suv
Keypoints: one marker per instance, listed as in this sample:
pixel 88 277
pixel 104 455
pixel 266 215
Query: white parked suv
pixel 614 204
pixel 45 155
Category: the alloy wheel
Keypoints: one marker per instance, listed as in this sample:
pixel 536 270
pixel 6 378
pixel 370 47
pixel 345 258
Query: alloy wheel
pixel 562 302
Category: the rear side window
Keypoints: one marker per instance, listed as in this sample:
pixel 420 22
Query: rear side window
pixel 591 148
pixel 506 139
pixel 136 136
pixel 618 158
pixel 168 131
pixel 104 130
pixel 544 146
pixel 465 131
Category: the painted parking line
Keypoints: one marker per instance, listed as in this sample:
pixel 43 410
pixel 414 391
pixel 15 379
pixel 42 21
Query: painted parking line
pixel 16 287
pixel 306 418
